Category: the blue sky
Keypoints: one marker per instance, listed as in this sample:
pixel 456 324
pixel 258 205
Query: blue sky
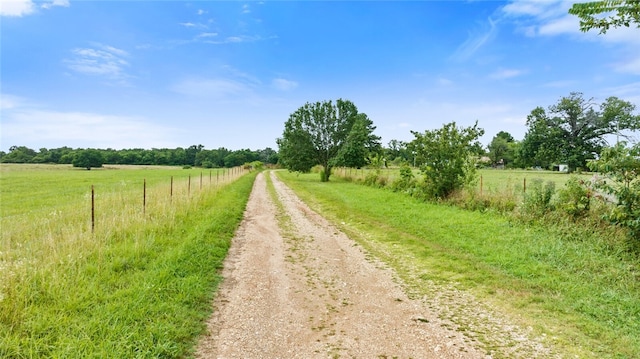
pixel 144 74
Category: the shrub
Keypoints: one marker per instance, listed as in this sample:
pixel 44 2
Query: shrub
pixel 537 200
pixel 406 181
pixel 575 198
pixel 622 166
pixel 371 179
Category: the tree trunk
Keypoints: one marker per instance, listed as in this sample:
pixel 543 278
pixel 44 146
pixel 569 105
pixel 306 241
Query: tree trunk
pixel 325 174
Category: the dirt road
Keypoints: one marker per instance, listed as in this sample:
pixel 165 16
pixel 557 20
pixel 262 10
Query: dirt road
pixel 296 287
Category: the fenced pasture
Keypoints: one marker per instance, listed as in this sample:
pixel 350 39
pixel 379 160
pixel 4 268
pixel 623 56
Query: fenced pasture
pixel 133 283
pixel 489 181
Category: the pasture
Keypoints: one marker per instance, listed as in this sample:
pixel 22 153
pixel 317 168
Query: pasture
pixel 139 284
pixel 490 181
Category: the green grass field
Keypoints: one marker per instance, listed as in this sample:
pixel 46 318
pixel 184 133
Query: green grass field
pixel 501 181
pixel 581 295
pixel 139 286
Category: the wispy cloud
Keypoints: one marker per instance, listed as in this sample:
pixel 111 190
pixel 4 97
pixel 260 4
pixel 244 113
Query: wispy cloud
pixel 476 41
pixel 212 88
pixel 207 35
pixel 629 66
pixel 8 101
pixel 504 74
pixel 283 84
pixel 246 9
pixel 49 5
pixel 237 39
pixel 100 60
pixel 443 81
pixel 194 25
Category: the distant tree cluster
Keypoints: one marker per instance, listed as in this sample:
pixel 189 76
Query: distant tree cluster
pixel 195 155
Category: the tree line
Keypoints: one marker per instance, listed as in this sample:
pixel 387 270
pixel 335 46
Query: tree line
pixel 195 155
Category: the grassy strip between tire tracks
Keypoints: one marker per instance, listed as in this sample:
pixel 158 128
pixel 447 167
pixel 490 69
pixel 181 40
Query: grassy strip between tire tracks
pixel 580 296
pixel 146 293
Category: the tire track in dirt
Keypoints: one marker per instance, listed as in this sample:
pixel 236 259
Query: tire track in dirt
pixel 307 291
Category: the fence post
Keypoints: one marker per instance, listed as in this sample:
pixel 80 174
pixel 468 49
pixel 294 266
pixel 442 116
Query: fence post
pixel 171 191
pixel 93 210
pixel 200 179
pixel 524 185
pixel 144 196
pixel 189 186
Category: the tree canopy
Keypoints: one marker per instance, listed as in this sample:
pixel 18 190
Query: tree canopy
pixel 502 149
pixel 593 14
pixel 573 130
pixel 88 158
pixel 327 134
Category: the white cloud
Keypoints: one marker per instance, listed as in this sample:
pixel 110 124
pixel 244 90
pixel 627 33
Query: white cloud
pixel 444 81
pixel 8 101
pixel 16 8
pixel 246 9
pixel 235 40
pixel 504 74
pixel 536 8
pixel 624 35
pixel 49 5
pixel 630 66
pixel 628 92
pixel 46 128
pixel 550 18
pixel 101 60
pixel 215 88
pixel 283 84
pixel 567 24
pixel 194 25
pixel 201 12
pixel 207 34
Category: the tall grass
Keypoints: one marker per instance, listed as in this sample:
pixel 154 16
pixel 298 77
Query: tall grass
pixel 583 295
pixel 139 286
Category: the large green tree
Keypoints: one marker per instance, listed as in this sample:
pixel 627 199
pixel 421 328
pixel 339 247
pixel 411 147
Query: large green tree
pixel 326 134
pixel 88 158
pixel 574 130
pixel 602 15
pixel 446 157
pixel 501 148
